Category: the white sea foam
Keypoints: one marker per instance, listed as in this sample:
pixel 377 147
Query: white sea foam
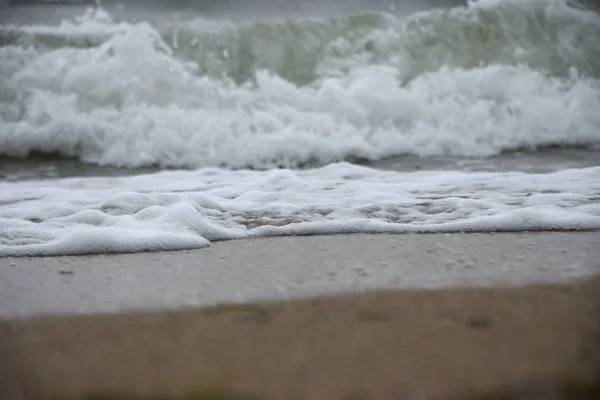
pixel 475 81
pixel 179 210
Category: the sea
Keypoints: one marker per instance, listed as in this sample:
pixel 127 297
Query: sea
pixel 130 126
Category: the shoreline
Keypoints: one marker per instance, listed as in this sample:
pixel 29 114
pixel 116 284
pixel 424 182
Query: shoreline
pixel 290 267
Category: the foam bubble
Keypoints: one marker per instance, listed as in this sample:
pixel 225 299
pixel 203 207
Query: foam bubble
pixel 373 86
pixel 179 210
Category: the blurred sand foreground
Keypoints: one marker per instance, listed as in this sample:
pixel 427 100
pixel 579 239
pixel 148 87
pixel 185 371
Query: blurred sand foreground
pixel 498 343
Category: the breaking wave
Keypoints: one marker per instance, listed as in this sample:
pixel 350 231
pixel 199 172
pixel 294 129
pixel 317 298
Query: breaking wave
pixel 477 80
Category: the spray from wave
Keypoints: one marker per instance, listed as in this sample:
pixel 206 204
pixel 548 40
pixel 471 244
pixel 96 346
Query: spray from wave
pixel 476 80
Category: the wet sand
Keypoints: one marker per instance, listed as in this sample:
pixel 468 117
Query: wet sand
pixel 514 343
pixel 290 267
pixel 520 341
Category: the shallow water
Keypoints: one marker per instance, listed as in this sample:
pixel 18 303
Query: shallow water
pixel 551 160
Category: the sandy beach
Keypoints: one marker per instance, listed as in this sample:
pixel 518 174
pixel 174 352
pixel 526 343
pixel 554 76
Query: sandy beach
pixel 524 339
pixel 512 343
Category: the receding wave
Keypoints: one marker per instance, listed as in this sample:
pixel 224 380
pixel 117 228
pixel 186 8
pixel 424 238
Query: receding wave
pixel 470 81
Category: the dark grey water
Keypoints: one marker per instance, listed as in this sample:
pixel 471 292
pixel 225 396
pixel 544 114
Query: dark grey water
pixel 47 167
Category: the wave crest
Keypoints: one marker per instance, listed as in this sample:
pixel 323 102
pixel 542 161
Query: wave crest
pixel 475 80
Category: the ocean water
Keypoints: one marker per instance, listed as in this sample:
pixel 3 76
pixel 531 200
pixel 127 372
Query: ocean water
pixel 142 126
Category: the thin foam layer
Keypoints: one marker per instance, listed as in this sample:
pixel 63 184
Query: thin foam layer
pixel 471 81
pixel 185 209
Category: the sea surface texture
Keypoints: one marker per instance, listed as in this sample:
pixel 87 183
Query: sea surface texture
pixel 142 126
